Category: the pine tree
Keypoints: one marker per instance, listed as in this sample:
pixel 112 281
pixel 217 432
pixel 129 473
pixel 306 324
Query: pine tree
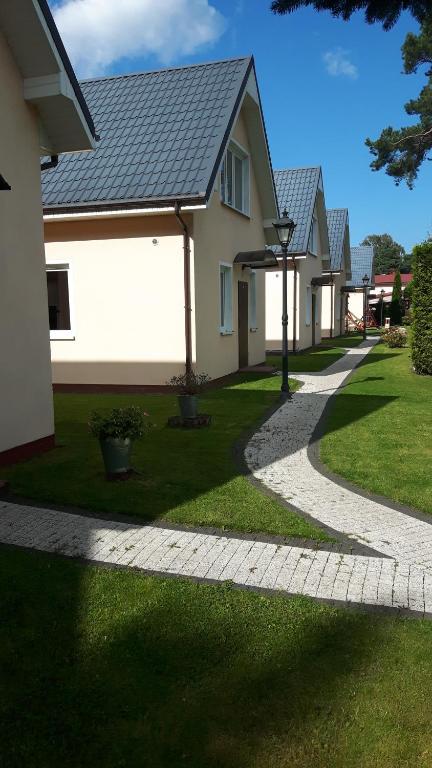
pixel 396 301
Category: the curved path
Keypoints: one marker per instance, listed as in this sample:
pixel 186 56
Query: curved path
pixel 399 578
pixel 283 456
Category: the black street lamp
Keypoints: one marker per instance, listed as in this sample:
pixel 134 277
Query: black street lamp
pixel 285 228
pixel 382 292
pixel 365 281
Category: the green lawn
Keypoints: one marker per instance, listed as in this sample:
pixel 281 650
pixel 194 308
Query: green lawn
pixel 379 429
pixel 186 476
pixel 348 340
pixel 310 361
pixel 104 668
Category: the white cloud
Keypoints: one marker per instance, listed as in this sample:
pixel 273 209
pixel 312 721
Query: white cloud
pixel 98 33
pixel 337 63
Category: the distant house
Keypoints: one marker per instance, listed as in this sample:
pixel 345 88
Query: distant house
pixel 333 301
pixel 362 263
pixel 43 112
pixel 386 282
pixel 155 243
pixel 301 192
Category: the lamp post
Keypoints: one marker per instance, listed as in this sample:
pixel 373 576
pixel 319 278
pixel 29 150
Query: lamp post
pixel 382 292
pixel 285 228
pixel 365 280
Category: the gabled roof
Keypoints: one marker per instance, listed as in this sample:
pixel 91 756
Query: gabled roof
pixel 362 258
pixel 337 222
pixel 389 279
pixel 299 190
pixel 49 82
pixel 163 135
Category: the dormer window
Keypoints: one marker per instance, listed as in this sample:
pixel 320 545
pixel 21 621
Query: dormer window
pixel 313 236
pixel 235 179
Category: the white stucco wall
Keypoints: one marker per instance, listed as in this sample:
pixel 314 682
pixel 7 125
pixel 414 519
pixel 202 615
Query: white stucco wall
pixel 26 412
pixel 220 233
pixel 127 300
pixel 338 314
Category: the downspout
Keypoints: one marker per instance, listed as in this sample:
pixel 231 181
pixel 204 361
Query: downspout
pixel 187 289
pixel 53 163
pixel 331 304
pixel 294 348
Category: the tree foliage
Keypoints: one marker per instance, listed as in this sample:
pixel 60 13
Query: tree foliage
pixel 422 309
pixel 402 151
pixel 388 254
pixel 396 300
pixel 386 12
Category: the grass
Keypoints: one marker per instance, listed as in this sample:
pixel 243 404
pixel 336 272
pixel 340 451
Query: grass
pixel 379 429
pixel 320 357
pixel 347 340
pixel 186 476
pixel 104 668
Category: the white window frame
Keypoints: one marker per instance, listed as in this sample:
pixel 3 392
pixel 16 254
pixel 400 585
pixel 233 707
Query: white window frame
pixel 253 301
pixel 308 316
pixel 226 327
pixel 239 152
pixel 63 335
pixel 313 236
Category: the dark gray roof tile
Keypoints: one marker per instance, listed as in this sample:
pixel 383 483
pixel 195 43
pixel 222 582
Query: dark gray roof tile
pixel 296 190
pixel 165 128
pixel 362 263
pixel 337 220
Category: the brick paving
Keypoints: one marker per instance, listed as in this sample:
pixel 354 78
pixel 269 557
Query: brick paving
pixel 278 457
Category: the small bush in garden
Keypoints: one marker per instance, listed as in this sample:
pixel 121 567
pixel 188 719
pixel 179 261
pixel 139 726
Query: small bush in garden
pixel 408 317
pixel 190 383
pixel 119 423
pixel 422 309
pixel 394 337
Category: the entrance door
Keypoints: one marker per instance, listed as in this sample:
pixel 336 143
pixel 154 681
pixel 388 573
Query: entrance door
pixel 313 318
pixel 243 324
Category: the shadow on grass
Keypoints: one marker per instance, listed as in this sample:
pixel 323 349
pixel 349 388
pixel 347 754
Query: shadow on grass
pixel 105 668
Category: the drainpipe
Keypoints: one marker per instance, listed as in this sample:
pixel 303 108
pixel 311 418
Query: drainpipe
pixel 53 163
pixel 187 289
pixel 331 304
pixel 294 306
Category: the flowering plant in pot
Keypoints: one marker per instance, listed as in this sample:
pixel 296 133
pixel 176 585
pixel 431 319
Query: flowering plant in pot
pixel 189 385
pixel 116 430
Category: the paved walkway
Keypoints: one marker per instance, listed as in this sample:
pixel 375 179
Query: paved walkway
pixel 280 453
pixel 278 456
pixel 293 570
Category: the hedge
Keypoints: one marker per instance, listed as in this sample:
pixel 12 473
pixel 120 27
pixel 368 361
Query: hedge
pixel 422 309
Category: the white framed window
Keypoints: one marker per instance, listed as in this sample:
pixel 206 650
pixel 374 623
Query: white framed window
pixel 234 179
pixel 225 298
pixel 308 319
pixel 59 301
pixel 253 301
pixel 313 236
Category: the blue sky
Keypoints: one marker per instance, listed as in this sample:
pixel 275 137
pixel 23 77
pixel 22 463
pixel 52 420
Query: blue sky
pixel 325 86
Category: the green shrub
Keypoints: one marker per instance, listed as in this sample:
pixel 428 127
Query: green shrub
pixel 119 423
pixel 422 309
pixel 407 318
pixel 190 383
pixel 394 337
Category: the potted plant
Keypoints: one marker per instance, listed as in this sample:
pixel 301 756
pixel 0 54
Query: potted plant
pixel 116 429
pixel 189 385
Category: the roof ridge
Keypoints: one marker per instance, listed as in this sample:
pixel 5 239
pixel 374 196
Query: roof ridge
pixel 300 168
pixel 126 75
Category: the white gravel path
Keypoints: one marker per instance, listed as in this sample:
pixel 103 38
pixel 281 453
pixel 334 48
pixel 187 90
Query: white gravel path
pixel 278 456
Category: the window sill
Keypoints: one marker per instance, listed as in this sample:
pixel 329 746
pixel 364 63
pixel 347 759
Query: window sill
pixel 62 336
pixel 236 210
pixel 226 333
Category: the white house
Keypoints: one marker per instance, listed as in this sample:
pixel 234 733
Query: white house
pixel 155 243
pixel 333 302
pixel 43 113
pixel 301 192
pixel 362 264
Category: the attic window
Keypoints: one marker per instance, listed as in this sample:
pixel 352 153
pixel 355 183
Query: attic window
pixel 235 179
